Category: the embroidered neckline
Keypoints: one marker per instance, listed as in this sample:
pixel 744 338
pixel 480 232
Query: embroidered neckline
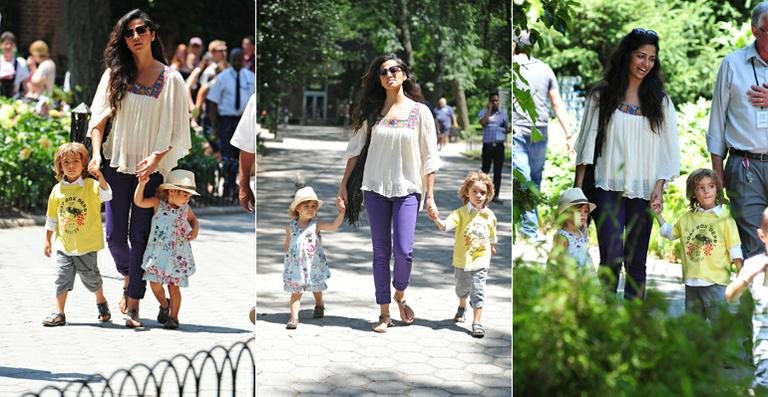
pixel 410 122
pixel 630 109
pixel 154 90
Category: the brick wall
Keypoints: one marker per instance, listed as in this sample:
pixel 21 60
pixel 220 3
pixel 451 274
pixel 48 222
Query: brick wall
pixel 42 20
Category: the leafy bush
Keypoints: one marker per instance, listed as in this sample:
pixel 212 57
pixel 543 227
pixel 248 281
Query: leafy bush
pixel 26 161
pixel 572 339
pixel 205 167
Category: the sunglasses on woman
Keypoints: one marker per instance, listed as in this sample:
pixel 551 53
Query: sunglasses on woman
pixel 644 31
pixel 391 69
pixel 141 30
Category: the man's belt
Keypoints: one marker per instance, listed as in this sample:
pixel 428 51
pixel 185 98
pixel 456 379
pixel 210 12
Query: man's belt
pixel 753 156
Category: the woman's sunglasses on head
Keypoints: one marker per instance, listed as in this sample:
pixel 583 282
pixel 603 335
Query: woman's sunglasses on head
pixel 392 69
pixel 140 30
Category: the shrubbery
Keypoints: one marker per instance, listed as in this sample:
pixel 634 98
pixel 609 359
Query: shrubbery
pixel 571 338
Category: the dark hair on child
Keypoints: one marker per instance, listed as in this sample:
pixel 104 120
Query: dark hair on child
pixel 694 178
pixel 472 177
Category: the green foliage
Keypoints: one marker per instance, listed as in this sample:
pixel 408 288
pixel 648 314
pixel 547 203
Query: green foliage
pixel 571 338
pixel 203 165
pixel 26 161
pixel 691 40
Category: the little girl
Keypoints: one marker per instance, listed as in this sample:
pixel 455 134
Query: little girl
pixel 168 257
pixel 474 243
pixel 710 242
pixel 572 238
pixel 305 266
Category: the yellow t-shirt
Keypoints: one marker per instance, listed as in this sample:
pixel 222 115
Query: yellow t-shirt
pixel 77 211
pixel 706 238
pixel 475 232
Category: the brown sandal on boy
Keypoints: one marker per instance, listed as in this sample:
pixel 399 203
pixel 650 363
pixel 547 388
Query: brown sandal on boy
pixel 104 313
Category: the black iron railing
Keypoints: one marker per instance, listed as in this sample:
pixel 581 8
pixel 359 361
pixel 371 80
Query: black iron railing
pixel 215 372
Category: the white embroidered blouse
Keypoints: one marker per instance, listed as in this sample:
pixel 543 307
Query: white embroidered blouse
pixel 633 156
pixel 150 119
pixel 401 153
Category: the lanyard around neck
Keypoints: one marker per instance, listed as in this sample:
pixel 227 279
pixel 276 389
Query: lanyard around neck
pixel 754 72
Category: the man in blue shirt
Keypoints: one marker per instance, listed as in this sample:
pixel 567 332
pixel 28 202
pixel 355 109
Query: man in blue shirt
pixel 446 119
pixel 228 97
pixel 495 125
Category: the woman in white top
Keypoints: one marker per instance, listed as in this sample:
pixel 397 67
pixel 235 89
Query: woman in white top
pixel 398 175
pixel 147 104
pixel 42 69
pixel 629 127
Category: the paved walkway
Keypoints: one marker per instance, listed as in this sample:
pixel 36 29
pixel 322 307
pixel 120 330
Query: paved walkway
pixel 340 354
pixel 214 309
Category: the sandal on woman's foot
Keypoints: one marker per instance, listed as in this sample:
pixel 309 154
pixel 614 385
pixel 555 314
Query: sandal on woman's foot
pixel 133 320
pixel 172 323
pixel 55 320
pixel 104 313
pixel 292 324
pixel 477 330
pixel 319 311
pixel 406 313
pixel 385 321
pixel 123 304
pixel 459 316
pixel 164 314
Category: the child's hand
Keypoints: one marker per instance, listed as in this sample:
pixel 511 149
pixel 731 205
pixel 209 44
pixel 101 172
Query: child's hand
pixel 143 178
pixel 493 250
pixel 192 235
pixel 95 172
pixel 433 213
pixel 340 204
pixel 47 248
pixel 656 206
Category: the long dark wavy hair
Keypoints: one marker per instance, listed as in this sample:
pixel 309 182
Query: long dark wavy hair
pixel 612 88
pixel 119 59
pixel 372 95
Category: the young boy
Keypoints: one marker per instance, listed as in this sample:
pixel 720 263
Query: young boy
pixel 752 275
pixel 474 243
pixel 710 244
pixel 74 215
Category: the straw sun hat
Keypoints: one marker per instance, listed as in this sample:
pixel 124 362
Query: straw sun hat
pixel 571 197
pixel 304 194
pixel 180 180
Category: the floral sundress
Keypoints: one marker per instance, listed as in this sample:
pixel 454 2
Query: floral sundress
pixel 168 257
pixel 305 267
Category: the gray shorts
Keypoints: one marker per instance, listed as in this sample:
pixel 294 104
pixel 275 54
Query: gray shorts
pixel 84 265
pixel 471 284
pixel 705 301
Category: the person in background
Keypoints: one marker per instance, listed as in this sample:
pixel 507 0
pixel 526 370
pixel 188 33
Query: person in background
pixel 218 51
pixel 249 58
pixel 194 52
pixel 179 61
pixel 227 100
pixel 42 69
pixel 13 69
pixel 445 120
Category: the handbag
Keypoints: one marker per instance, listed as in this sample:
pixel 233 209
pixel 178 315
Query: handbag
pixel 355 182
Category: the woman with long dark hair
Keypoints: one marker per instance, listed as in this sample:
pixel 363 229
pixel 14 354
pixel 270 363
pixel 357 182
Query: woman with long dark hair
pixel 394 147
pixel 145 102
pixel 629 135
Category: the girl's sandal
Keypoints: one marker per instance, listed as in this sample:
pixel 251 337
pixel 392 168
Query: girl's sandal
pixel 406 313
pixel 133 320
pixel 123 304
pixel 292 324
pixel 385 321
pixel 104 313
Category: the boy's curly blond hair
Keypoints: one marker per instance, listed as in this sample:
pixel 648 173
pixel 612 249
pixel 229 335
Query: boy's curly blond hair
pixel 67 150
pixel 472 177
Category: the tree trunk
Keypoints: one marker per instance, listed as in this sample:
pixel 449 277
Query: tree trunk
pixel 88 24
pixel 462 112
pixel 405 33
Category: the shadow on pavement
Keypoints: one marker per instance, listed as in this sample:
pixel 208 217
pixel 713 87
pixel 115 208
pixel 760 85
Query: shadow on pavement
pixel 28 373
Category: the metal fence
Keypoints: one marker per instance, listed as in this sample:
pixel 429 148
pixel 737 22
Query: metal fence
pixel 219 371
